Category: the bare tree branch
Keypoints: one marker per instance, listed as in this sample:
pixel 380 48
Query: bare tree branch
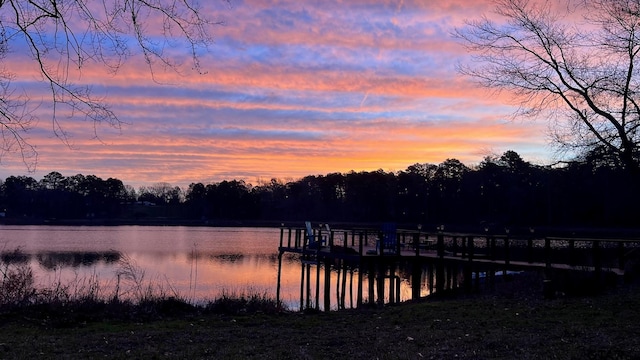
pixel 559 67
pixel 63 37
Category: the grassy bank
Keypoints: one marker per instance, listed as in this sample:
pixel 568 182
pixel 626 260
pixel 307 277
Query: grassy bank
pixel 499 325
pixel 509 321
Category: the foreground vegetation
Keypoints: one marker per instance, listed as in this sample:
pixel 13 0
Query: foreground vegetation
pixel 509 322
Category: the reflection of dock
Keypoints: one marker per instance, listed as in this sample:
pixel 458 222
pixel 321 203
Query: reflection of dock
pixel 438 260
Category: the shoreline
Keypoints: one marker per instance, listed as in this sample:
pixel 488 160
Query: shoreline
pixel 510 324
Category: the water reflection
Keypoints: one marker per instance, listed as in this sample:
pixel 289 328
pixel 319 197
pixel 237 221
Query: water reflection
pixel 14 257
pixel 223 257
pixel 198 264
pixel 56 260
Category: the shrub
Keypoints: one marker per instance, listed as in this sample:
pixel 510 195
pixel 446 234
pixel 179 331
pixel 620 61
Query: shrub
pixel 231 303
pixel 16 285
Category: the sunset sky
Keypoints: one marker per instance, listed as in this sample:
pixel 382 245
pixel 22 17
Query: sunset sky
pixel 294 88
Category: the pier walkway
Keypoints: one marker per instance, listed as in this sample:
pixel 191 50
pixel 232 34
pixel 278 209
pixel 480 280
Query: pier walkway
pixel 454 259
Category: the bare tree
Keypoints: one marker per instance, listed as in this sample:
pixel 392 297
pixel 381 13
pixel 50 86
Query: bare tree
pixel 573 62
pixel 61 37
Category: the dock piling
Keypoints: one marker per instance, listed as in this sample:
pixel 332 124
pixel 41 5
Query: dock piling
pixel 452 260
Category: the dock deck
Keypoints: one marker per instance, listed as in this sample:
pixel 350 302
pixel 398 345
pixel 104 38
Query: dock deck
pixel 469 253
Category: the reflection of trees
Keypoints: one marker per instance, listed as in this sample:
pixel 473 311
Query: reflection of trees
pixel 52 260
pixel 14 257
pixel 237 257
pixel 232 258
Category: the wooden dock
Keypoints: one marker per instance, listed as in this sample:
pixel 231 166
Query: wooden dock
pixel 442 260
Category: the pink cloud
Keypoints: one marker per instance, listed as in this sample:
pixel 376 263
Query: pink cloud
pixel 293 88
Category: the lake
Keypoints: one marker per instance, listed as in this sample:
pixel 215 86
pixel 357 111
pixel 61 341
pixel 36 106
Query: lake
pixel 196 263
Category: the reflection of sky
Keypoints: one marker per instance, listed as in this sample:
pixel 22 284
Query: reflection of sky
pixel 157 240
pixel 201 279
pixel 292 88
pixel 235 261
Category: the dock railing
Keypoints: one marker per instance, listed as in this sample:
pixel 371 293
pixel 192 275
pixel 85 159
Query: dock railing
pixel 523 251
pixel 471 253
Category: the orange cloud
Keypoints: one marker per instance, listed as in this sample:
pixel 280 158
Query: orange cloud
pixel 292 89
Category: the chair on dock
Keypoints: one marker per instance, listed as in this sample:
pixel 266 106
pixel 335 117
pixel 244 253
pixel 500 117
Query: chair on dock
pixel 314 241
pixel 388 241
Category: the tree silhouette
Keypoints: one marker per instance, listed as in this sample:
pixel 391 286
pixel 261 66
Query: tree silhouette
pixel 571 62
pixel 503 191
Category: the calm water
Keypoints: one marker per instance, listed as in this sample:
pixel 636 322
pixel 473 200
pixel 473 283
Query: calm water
pixel 199 263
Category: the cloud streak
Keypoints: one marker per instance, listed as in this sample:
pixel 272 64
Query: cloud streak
pixel 293 88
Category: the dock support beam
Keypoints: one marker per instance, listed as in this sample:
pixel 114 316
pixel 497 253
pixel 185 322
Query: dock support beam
pixel 327 285
pixel 416 279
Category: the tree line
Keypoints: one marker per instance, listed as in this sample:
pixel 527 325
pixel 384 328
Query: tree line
pixel 500 191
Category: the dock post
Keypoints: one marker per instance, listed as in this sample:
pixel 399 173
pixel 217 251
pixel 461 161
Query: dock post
pixel 440 275
pixel 351 288
pixel 330 235
pixel 278 304
pixel 416 279
pixel 304 285
pixel 463 245
pixel 530 249
pixel 430 280
pixel 488 246
pixel 344 281
pixel 360 274
pixel 371 283
pixel 621 255
pixel 468 266
pixel 454 282
pixel 338 274
pixel 280 251
pixel 493 248
pixel 547 253
pixel 392 283
pixel 380 282
pixel 327 284
pixel 572 252
pixel 455 245
pixel 308 286
pixel 507 255
pixel 317 280
pixel 597 260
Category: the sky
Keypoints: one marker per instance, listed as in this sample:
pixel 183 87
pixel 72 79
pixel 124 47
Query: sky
pixel 293 88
